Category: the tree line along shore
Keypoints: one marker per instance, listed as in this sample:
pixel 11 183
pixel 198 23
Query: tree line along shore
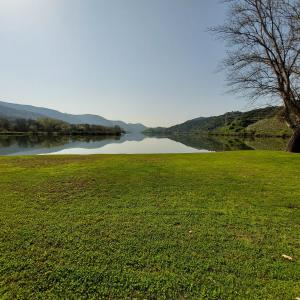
pixel 52 126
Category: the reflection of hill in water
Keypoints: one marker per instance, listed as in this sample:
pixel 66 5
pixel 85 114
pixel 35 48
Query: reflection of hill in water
pixel 211 143
pixel 268 143
pixel 221 143
pixel 13 145
pixel 29 145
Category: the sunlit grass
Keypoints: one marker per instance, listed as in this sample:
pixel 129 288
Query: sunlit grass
pixel 163 226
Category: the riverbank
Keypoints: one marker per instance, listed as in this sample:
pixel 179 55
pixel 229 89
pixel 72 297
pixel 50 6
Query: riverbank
pixel 138 226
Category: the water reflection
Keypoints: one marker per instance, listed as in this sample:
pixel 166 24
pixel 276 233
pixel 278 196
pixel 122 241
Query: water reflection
pixel 225 143
pixel 138 143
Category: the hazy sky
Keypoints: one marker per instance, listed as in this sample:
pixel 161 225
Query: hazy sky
pixel 149 61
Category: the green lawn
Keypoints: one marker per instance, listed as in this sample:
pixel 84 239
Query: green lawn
pixel 203 226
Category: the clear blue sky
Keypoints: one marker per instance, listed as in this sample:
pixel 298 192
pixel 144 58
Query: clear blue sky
pixel 149 61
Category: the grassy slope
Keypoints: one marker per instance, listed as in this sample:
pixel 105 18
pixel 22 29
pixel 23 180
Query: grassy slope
pixel 196 226
pixel 270 126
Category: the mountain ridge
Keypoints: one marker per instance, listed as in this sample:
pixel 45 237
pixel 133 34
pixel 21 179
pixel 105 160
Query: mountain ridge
pixel 14 110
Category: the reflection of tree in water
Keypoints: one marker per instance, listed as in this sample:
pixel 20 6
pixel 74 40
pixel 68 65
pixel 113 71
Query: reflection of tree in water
pixel 46 141
pixel 6 141
pixel 233 144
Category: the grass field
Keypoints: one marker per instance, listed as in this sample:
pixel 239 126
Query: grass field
pixel 203 226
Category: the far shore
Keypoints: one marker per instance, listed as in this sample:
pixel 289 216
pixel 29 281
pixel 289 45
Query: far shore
pixel 41 133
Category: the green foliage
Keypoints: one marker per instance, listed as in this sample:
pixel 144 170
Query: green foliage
pixel 48 125
pixel 199 226
pixel 232 123
pixel 274 126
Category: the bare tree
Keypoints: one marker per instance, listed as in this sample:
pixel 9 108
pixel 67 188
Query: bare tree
pixel 264 54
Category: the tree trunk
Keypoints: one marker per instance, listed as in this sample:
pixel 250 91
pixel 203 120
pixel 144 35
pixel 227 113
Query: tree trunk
pixel 294 142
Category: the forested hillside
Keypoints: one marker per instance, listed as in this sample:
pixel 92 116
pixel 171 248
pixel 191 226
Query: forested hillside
pixel 255 122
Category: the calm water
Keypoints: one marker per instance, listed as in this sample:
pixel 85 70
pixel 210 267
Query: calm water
pixel 30 145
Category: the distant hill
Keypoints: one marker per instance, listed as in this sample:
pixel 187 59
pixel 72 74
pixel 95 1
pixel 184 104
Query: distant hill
pixel 256 122
pixel 15 111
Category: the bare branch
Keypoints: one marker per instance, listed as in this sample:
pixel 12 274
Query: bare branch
pixel 264 51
